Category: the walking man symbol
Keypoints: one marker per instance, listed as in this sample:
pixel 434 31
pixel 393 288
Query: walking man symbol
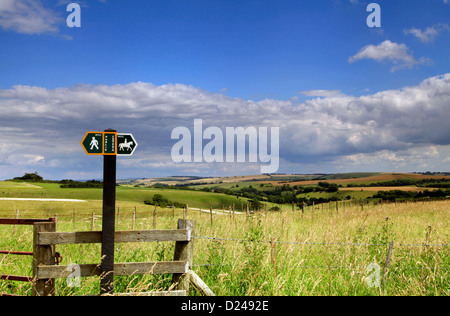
pixel 94 143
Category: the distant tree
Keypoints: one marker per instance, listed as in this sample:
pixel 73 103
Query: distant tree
pixel 31 177
pixel 332 188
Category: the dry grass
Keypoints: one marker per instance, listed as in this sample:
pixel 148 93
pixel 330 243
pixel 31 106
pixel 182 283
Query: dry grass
pixel 318 252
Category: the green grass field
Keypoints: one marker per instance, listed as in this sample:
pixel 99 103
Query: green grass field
pixel 322 251
pixel 134 195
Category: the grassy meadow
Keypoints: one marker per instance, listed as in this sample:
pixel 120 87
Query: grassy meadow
pixel 321 251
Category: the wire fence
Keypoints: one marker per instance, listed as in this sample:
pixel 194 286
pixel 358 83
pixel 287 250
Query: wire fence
pixel 317 243
pixel 323 243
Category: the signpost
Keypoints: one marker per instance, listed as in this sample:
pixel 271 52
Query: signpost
pixel 93 143
pixel 109 144
pixel 126 144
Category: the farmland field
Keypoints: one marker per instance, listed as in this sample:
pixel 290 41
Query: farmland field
pixel 323 250
pixel 365 179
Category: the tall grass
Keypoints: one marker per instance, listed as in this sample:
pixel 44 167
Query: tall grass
pixel 316 252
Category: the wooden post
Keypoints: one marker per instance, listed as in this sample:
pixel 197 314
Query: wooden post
pixel 199 284
pixel 273 254
pixel 133 221
pixel 184 251
pixel 154 217
pixel 211 215
pixel 118 215
pixel 43 255
pixel 93 221
pixel 108 222
pixel 388 262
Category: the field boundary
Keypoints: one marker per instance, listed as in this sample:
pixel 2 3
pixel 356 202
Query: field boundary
pixel 46 266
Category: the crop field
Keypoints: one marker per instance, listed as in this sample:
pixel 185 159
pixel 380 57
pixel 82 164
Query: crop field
pixel 361 178
pixel 320 251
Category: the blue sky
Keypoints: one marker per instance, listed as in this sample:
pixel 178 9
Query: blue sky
pixel 315 59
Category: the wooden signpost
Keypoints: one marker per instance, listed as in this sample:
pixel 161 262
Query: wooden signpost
pixel 109 144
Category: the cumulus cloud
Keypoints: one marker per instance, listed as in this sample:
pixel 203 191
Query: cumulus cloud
pixel 42 128
pixel 322 93
pixel 398 54
pixel 429 34
pixel 27 17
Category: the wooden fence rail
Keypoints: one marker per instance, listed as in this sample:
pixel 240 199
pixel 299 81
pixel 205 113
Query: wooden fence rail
pixel 128 268
pixel 46 238
pixel 56 238
pixel 45 270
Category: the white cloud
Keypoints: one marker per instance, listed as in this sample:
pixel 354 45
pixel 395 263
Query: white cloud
pixel 429 34
pixel 398 54
pixel 322 93
pixel 42 128
pixel 27 17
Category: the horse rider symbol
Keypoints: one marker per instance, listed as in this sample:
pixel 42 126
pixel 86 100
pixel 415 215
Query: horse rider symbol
pixel 126 145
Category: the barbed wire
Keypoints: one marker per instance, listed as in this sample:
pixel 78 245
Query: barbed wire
pixel 317 243
pixel 326 267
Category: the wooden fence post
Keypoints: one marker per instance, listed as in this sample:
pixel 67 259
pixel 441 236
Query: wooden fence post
pixel 133 221
pixel 154 217
pixel 388 262
pixel 273 254
pixel 184 251
pixel 211 215
pixel 43 255
pixel 93 221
